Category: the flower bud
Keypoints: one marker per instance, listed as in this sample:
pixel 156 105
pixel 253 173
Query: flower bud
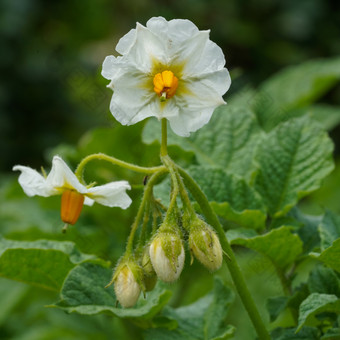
pixel 205 245
pixel 167 255
pixel 126 283
pixel 150 277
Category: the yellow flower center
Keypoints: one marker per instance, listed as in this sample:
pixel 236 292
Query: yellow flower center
pixel 165 84
pixel 71 205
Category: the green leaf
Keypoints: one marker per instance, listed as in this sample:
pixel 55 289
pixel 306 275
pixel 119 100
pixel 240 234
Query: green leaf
pixel 275 306
pixel 327 115
pixel 323 280
pixel 307 229
pixel 332 334
pixel 292 161
pixel 230 196
pixel 84 292
pixel 40 263
pixel 330 256
pixel 294 87
pixel 315 304
pixel 202 320
pixel 227 141
pixel 329 229
pixel 280 245
pixel 307 333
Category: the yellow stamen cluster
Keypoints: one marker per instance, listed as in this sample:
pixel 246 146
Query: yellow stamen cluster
pixel 165 84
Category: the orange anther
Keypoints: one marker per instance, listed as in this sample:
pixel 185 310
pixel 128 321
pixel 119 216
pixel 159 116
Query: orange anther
pixel 71 205
pixel 165 84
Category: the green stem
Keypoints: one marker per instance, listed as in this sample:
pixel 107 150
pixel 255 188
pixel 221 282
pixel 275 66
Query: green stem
pixel 232 264
pixel 287 291
pixel 146 197
pixel 164 148
pixel 102 157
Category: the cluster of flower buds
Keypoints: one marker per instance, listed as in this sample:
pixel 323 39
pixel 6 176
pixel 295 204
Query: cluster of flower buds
pixel 163 257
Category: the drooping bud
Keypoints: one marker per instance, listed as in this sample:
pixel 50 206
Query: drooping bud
pixel 71 205
pixel 205 245
pixel 127 283
pixel 167 255
pixel 150 277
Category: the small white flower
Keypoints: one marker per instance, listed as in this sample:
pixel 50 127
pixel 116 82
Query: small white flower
pixel 168 69
pixel 62 181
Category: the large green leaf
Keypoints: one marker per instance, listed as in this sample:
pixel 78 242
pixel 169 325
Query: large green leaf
pixel 280 245
pixel 202 320
pixel 329 229
pixel 294 87
pixel 228 141
pixel 230 196
pixel 40 263
pixel 292 161
pixel 84 292
pixel 315 304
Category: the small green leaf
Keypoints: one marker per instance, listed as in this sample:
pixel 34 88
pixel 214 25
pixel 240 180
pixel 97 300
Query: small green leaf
pixel 332 334
pixel 330 256
pixel 228 141
pixel 40 263
pixel 323 280
pixel 315 304
pixel 230 196
pixel 329 229
pixel 275 306
pixel 307 333
pixel 280 245
pixel 84 292
pixel 292 160
pixel 202 320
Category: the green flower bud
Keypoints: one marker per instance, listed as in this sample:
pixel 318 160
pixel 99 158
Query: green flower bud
pixel 127 283
pixel 150 277
pixel 167 254
pixel 205 245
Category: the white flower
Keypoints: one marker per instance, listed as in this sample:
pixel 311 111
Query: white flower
pixel 62 181
pixel 168 69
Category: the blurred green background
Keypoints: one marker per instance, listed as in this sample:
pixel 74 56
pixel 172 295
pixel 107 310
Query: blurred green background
pixel 52 93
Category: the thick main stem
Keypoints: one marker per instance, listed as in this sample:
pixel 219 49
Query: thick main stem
pixel 232 264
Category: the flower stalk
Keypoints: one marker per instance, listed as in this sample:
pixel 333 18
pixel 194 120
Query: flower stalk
pixel 232 264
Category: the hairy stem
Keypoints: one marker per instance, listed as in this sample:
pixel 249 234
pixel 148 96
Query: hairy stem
pixel 115 161
pixel 146 197
pixel 232 264
pixel 164 147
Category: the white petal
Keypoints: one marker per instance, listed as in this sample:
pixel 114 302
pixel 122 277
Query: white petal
pixel 199 55
pixel 61 177
pixel 147 48
pixel 177 30
pixel 88 201
pixel 190 121
pixel 126 42
pixel 33 183
pixel 112 67
pixel 112 194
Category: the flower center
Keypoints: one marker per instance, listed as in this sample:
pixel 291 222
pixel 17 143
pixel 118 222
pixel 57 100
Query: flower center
pixel 165 84
pixel 71 205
